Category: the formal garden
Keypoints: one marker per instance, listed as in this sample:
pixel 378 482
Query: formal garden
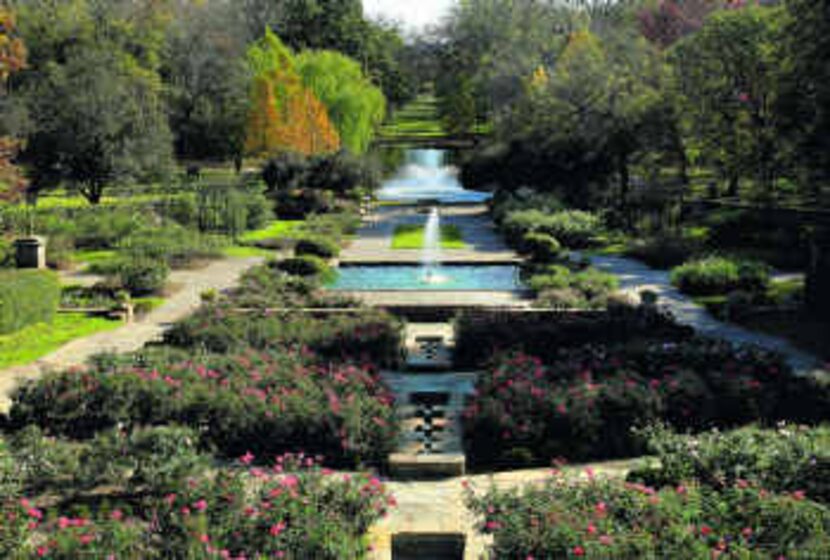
pixel 288 280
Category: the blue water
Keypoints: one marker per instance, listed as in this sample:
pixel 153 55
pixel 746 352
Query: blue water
pixel 426 175
pixel 412 278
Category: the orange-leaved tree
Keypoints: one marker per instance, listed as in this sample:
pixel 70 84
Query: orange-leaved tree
pixel 284 114
pixel 12 59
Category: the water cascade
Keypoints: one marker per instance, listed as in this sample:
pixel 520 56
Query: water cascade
pixel 431 258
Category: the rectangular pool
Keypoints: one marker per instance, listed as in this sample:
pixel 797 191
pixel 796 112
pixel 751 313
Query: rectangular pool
pixel 414 278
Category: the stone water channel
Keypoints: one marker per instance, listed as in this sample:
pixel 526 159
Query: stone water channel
pixel 431 520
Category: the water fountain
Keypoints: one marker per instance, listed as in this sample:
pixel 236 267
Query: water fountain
pixel 431 258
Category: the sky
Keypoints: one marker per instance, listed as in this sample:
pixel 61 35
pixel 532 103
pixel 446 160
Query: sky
pixel 413 14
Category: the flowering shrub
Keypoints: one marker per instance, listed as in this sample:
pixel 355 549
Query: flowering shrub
pixel 369 335
pixel 294 509
pixel 602 519
pixel 789 458
pixel 263 402
pixel 585 403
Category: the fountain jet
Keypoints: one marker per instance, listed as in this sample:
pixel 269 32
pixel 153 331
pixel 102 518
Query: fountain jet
pixel 431 258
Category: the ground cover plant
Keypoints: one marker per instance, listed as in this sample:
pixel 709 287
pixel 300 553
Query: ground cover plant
pixel 582 403
pixel 412 237
pixel 570 286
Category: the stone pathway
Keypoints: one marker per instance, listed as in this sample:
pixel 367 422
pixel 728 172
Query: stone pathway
pixel 484 243
pixel 218 275
pixel 635 276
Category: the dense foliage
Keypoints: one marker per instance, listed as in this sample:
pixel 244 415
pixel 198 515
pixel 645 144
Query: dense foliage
pixel 720 275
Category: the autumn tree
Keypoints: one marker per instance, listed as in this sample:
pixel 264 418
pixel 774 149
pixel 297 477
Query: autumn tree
pixel 667 21
pixel 12 59
pixel 284 115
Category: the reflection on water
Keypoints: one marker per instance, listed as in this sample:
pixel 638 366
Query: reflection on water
pixel 426 174
pixel 411 278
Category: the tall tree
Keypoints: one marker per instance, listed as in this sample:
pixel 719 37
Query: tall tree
pixel 805 100
pixel 98 120
pixel 284 114
pixel 728 73
pixel 207 80
pixel 355 106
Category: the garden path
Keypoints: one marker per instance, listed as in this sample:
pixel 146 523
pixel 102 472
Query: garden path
pixel 218 275
pixel 635 276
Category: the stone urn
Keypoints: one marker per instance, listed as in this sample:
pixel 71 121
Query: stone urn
pixel 30 252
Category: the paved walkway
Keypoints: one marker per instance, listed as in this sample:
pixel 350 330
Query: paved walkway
pixel 218 275
pixel 484 243
pixel 635 276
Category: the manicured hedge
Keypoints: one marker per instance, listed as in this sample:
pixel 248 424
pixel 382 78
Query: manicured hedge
pixel 480 334
pixel 27 297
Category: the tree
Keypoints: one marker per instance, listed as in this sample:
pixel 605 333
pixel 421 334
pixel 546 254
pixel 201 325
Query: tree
pixel 355 106
pixel 98 119
pixel 12 59
pixel 207 80
pixel 284 115
pixel 667 21
pixel 805 100
pixel 728 74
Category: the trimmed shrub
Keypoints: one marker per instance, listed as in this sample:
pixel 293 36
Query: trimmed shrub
pixel 317 247
pixel 541 247
pixel 720 275
pixel 27 297
pixel 306 266
pixel 572 228
pixel 664 251
pixel 142 276
pixel 366 335
pixel 558 287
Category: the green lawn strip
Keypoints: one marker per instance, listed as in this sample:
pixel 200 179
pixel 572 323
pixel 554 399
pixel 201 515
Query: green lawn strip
pixel 36 341
pixel 412 237
pixel 94 256
pixel 246 252
pixel 274 230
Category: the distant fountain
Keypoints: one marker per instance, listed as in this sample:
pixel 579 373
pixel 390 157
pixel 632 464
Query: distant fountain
pixel 431 258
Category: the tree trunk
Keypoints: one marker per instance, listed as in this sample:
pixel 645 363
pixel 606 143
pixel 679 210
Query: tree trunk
pixel 734 184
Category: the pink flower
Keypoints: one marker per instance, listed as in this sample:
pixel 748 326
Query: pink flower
pixel 117 515
pixel 747 532
pixel 492 525
pixel 247 459
pixel 601 508
pixel 277 529
pixel 63 523
pixel 204 539
pixel 201 505
pixel 606 540
pixel 798 495
pixel 42 551
pixel 170 499
pixel 578 551
pixel 705 530
pixel 681 489
pixel 85 539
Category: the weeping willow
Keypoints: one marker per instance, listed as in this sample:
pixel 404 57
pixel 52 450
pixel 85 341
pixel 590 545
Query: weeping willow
pixel 355 106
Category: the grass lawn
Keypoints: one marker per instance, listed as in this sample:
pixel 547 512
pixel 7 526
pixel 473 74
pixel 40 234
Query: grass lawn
pixel 36 341
pixel 94 257
pixel 246 252
pixel 417 119
pixel 412 237
pixel 274 230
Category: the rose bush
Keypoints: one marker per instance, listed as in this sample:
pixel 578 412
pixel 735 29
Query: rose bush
pixel 565 518
pixel 584 403
pixel 264 402
pixel 292 509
